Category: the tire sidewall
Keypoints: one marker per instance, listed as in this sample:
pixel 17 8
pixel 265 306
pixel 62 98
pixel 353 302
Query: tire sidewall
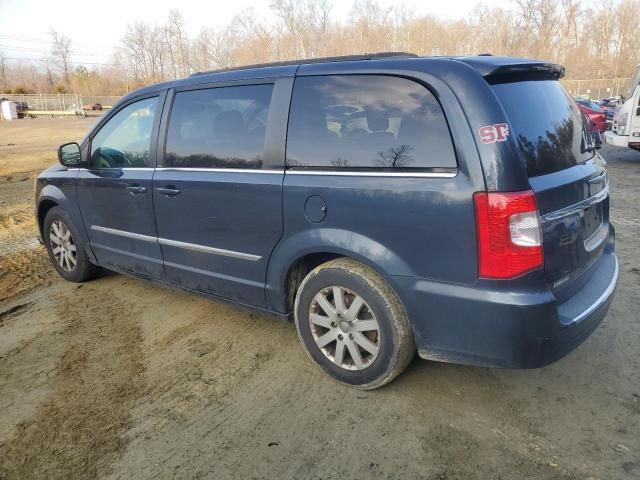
pixel 79 273
pixel 388 353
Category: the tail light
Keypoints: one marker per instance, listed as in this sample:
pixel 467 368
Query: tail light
pixel 509 236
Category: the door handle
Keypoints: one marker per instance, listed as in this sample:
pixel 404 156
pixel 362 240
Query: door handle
pixel 135 189
pixel 168 192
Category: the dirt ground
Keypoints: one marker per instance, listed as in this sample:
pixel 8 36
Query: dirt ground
pixel 119 379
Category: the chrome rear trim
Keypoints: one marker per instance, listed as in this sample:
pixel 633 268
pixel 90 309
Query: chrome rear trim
pixel 575 208
pixel 595 240
pixel 603 298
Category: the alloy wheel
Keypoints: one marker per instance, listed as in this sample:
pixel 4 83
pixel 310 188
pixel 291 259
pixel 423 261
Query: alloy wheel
pixel 63 247
pixel 344 328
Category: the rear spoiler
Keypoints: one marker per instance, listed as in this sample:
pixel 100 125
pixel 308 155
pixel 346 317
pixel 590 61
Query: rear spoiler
pixel 503 68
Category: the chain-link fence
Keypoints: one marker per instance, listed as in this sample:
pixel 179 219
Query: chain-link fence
pixel 61 102
pixel 104 100
pixel 597 88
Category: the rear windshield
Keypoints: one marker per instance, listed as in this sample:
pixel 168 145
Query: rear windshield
pixel 547 124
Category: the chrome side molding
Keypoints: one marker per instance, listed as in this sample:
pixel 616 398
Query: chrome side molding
pixel 211 250
pixel 329 173
pixel 123 233
pixel 219 170
pixel 175 243
pixel 357 173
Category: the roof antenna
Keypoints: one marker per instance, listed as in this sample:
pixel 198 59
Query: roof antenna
pixel 485 54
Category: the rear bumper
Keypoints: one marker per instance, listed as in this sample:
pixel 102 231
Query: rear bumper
pixel 616 140
pixel 505 327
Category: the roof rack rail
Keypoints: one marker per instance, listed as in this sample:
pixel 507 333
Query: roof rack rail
pixel 341 58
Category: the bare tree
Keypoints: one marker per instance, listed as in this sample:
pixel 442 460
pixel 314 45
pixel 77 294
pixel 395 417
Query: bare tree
pixel 48 62
pixel 177 44
pixel 61 52
pixel 306 21
pixel 252 38
pixel 218 47
pixel 396 157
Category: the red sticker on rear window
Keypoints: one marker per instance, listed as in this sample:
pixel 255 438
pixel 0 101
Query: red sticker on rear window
pixel 494 133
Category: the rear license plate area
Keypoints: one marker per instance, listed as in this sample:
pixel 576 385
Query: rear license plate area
pixel 591 220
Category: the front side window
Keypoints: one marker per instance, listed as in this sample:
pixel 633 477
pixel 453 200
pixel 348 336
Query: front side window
pixel 125 140
pixel 366 121
pixel 218 127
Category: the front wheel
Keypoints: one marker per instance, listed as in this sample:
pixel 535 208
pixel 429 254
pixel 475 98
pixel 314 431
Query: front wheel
pixel 353 325
pixel 66 252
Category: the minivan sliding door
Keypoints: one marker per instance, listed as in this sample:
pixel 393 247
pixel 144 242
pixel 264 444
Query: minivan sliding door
pixel 218 191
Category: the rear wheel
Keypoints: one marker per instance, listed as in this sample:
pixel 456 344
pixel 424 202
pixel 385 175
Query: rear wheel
pixel 353 325
pixel 67 254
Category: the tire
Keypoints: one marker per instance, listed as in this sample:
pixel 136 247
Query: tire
pixel 56 225
pixel 377 326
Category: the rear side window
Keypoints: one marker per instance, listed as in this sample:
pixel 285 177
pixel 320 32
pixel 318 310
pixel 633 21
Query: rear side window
pixel 366 122
pixel 218 127
pixel 547 124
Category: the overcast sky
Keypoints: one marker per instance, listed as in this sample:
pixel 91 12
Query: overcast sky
pixel 95 27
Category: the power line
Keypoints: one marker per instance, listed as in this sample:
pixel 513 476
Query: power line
pixel 72 62
pixel 44 52
pixel 48 42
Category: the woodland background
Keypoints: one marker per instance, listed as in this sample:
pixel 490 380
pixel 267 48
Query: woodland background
pixel 595 39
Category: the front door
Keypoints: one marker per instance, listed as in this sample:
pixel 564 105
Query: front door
pixel 218 192
pixel 115 190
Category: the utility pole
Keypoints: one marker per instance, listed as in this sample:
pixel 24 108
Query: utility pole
pixel 3 73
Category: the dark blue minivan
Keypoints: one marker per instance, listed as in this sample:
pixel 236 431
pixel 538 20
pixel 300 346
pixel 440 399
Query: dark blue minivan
pixel 387 203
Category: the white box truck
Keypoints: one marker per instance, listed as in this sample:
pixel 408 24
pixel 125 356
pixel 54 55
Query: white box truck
pixel 8 110
pixel 625 129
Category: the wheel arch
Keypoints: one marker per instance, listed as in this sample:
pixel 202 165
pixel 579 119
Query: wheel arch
pixel 43 208
pixel 299 269
pixel 296 256
pixel 52 196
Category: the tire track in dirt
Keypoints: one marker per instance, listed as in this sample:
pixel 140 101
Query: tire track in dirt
pixel 187 373
pixel 17 229
pixel 77 431
pixel 24 271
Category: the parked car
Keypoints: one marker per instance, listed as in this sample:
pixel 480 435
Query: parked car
pixel 595 113
pixel 363 198
pixel 605 103
pixel 22 108
pixel 94 106
pixel 609 106
pixel 595 132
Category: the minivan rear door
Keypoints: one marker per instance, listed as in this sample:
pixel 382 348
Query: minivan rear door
pixel 566 174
